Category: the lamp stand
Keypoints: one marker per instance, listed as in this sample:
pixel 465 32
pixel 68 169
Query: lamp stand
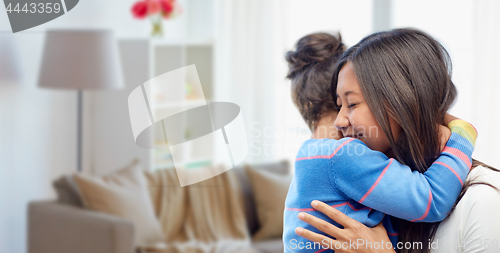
pixel 79 131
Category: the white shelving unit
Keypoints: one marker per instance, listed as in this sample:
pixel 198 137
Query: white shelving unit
pixel 166 56
pixel 192 44
pixel 189 39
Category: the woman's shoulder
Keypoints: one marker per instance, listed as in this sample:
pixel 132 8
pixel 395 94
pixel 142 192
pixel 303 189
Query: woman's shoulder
pixel 482 174
pixel 481 192
pixel 480 197
pixel 474 222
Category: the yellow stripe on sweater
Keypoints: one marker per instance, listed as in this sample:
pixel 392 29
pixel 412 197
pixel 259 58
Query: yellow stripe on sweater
pixel 464 129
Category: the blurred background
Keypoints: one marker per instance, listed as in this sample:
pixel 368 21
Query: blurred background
pixel 238 48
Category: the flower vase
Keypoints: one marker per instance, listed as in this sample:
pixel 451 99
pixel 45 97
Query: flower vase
pixel 157 31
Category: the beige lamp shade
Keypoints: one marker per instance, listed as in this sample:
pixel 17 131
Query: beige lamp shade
pixel 80 59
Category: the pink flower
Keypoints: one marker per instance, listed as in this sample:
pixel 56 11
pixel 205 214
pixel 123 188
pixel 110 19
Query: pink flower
pixel 153 6
pixel 140 9
pixel 167 7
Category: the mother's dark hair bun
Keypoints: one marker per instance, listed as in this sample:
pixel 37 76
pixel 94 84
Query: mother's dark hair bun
pixel 312 49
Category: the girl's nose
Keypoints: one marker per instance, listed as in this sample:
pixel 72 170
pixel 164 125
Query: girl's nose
pixel 342 122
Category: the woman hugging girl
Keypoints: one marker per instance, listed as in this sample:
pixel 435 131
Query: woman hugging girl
pixel 388 97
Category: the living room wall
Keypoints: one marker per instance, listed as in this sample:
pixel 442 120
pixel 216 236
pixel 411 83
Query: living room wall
pixel 38 126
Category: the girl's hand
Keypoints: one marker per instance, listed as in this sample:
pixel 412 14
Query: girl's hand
pixel 448 118
pixel 444 136
pixel 354 236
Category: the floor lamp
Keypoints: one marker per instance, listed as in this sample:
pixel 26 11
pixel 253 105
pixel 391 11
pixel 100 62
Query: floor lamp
pixel 80 60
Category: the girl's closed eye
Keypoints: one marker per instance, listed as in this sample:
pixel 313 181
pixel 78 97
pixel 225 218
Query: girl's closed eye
pixel 352 105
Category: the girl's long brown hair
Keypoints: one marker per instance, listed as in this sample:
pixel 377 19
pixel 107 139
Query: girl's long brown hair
pixel 406 74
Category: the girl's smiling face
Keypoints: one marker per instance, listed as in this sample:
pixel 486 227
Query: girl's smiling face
pixel 355 118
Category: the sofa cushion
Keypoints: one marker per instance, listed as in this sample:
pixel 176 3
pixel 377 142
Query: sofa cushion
pixel 269 190
pixel 281 167
pixel 269 246
pixel 67 191
pixel 124 193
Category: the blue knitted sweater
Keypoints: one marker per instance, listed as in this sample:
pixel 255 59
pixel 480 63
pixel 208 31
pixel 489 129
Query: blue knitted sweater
pixel 366 185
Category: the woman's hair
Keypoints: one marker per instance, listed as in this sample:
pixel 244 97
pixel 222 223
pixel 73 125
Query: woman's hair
pixel 405 74
pixel 473 181
pixel 310 68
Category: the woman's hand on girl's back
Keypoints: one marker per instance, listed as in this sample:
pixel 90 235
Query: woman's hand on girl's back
pixel 343 239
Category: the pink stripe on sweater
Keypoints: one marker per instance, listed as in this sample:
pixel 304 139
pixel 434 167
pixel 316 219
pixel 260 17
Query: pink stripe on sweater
pixel 334 206
pixel 428 208
pixel 326 156
pixel 459 154
pixel 376 182
pixel 452 170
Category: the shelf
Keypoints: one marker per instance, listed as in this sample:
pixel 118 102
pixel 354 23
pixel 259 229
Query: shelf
pixel 159 166
pixel 184 103
pixel 168 42
pixel 198 164
pixel 195 163
pixel 194 91
pixel 164 42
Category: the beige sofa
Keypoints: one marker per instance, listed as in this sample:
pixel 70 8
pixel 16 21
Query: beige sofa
pixel 63 225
